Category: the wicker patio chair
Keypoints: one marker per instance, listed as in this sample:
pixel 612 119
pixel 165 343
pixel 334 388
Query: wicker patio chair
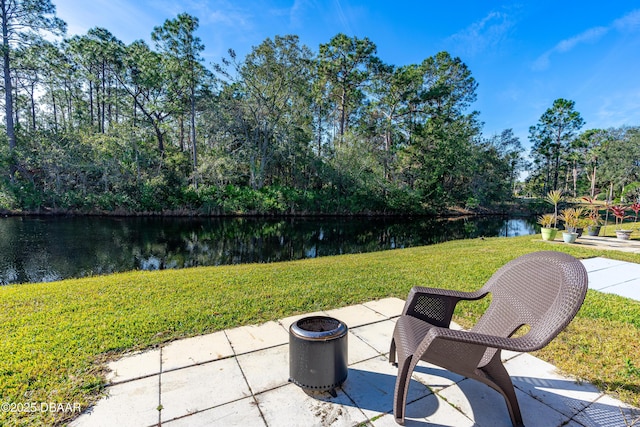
pixel 542 291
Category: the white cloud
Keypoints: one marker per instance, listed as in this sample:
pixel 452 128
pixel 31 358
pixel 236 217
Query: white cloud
pixel 127 21
pixel 629 22
pixel 484 34
pixel 296 12
pixel 343 17
pixel 220 12
pixel 542 62
pixel 617 109
pixel 590 36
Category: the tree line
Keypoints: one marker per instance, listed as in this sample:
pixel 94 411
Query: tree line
pixel 594 162
pixel 95 125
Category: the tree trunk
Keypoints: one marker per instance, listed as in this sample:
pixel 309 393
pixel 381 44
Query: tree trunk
pixel 33 107
pixel 193 138
pixel 343 113
pixel 8 89
pixel 16 107
pixel 556 168
pixel 181 127
pixel 593 181
pixel 109 108
pixel 69 103
pixel 547 181
pixel 159 137
pixel 103 99
pixel 91 114
pixel 55 111
pixel 319 130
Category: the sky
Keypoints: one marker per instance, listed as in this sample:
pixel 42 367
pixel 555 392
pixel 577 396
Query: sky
pixel 523 55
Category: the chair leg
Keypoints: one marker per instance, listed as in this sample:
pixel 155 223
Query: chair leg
pixel 392 352
pixel 502 383
pixel 402 388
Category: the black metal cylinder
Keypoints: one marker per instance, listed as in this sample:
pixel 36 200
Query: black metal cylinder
pixel 318 353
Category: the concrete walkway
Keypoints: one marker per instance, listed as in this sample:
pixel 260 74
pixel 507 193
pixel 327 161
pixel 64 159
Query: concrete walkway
pixel 239 377
pixel 599 242
pixel 614 277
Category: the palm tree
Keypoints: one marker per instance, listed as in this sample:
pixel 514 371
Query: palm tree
pixel 554 197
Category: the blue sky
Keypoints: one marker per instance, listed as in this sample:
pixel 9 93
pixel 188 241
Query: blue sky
pixel 523 55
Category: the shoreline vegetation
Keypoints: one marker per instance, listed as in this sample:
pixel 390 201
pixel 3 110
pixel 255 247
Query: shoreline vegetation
pixel 516 208
pixel 58 336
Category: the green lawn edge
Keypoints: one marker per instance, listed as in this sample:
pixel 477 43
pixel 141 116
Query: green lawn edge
pixel 58 337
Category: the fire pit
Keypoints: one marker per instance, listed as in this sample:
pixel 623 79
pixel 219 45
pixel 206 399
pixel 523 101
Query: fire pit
pixel 318 353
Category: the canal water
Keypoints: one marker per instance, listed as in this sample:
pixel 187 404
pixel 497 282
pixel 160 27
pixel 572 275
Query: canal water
pixel 40 249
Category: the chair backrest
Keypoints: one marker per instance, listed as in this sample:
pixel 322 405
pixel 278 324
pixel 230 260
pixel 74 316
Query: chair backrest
pixel 543 290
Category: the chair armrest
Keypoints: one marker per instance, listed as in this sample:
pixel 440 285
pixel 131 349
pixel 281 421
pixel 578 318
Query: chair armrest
pixel 435 305
pixel 519 344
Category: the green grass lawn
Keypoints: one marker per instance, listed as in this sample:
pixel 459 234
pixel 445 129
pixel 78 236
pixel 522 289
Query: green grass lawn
pixel 57 337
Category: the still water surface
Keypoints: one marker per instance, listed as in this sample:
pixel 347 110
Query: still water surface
pixel 40 249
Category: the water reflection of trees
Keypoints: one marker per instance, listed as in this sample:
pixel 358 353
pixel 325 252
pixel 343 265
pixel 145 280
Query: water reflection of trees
pixel 45 249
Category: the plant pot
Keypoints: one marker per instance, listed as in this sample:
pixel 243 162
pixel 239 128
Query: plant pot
pixel 593 230
pixel 569 237
pixel 578 230
pixel 548 233
pixel 623 234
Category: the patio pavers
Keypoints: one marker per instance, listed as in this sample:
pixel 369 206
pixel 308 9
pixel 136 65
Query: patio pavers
pixel 609 243
pixel 239 377
pixel 614 277
pixel 195 350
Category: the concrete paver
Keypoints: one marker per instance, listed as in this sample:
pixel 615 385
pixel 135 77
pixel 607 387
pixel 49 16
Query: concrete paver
pixel 195 350
pixel 435 377
pixel 255 337
pixel 599 263
pixel 488 409
pixel 241 413
pixel 608 412
pixel 134 403
pixel 355 316
pixel 266 369
pixel 196 388
pixel 359 350
pixel 240 377
pixel 133 366
pixel 608 243
pixel 630 289
pixel 542 381
pixel 430 411
pixel 370 385
pixel 291 406
pixel 377 336
pixel 389 307
pixel 614 277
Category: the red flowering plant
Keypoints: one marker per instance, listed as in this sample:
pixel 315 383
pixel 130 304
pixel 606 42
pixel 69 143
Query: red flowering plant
pixel 620 212
pixel 636 209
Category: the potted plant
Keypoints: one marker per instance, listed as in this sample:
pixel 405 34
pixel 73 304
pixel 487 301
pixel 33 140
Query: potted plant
pixel 583 223
pixel 593 221
pixel 571 218
pixel 619 211
pixel 554 197
pixel 546 221
pixel 636 209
